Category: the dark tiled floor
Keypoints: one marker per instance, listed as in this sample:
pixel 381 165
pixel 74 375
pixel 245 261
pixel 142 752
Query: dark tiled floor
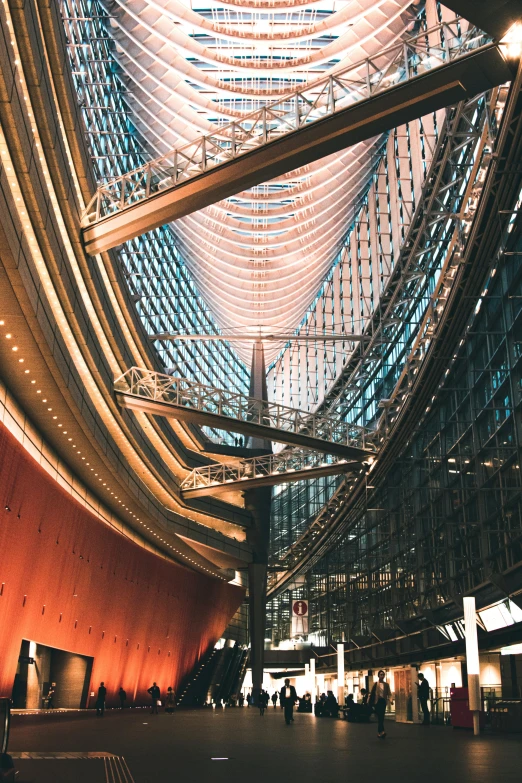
pixel 164 749
pixel 60 771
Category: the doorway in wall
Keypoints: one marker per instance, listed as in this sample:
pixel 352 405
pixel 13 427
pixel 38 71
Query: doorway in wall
pixel 49 677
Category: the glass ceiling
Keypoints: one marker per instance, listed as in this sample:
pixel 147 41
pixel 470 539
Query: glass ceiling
pixel 259 258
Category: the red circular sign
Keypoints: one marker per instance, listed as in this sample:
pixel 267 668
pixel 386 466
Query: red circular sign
pixel 300 608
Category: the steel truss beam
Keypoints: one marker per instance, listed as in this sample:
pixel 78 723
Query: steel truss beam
pixel 269 470
pixel 431 70
pixel 179 398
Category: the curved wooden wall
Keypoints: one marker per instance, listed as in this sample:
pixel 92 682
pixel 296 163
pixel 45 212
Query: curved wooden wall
pixel 68 580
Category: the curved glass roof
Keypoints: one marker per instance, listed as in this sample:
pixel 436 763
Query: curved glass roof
pixel 190 66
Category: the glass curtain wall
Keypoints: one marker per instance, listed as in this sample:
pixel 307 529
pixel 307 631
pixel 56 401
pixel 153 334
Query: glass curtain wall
pixel 450 510
pixel 164 293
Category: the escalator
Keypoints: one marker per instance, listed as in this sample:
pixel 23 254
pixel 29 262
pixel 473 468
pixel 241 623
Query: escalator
pixel 240 672
pixel 218 685
pixel 227 686
pixel 196 686
pixel 217 677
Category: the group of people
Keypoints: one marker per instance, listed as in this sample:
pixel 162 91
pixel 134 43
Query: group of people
pixel 376 701
pixel 153 691
pixel 327 704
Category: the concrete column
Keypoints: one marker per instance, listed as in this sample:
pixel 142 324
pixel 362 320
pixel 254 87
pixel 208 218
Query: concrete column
pixel 340 674
pixel 258 502
pixel 472 661
pixel 257 611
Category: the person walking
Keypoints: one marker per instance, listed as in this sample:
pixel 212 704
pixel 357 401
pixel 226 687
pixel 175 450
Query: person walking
pixel 156 697
pixel 424 694
pixel 264 698
pixel 50 696
pixel 123 697
pixel 100 701
pixel 379 697
pixel 170 701
pixel 288 698
pixel 248 699
pixel 274 699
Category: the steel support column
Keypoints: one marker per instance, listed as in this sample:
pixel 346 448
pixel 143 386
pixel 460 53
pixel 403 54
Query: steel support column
pixel 258 502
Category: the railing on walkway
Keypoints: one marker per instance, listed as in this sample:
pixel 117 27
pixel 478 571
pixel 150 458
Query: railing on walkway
pixel 404 61
pixel 149 386
pixel 269 469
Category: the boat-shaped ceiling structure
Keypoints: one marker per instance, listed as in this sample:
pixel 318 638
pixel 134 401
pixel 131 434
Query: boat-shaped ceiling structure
pixel 259 257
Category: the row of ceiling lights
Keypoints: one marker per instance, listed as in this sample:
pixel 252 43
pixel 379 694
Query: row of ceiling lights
pixel 14 348
pixel 31 237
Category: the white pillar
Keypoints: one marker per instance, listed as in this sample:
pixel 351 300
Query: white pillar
pixel 307 677
pixel 313 680
pixel 340 674
pixel 414 695
pixel 472 661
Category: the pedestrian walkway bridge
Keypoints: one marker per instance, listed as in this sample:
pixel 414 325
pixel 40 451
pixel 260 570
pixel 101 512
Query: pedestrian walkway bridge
pixel 433 69
pixel 288 465
pixel 179 398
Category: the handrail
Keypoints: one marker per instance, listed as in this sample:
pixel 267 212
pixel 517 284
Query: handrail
pixel 427 50
pixel 286 463
pixel 157 387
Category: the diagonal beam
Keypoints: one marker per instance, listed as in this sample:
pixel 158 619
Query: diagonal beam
pixel 495 17
pixel 265 471
pixel 434 69
pixel 179 398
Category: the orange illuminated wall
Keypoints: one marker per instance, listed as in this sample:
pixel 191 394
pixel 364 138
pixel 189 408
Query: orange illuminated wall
pixel 68 580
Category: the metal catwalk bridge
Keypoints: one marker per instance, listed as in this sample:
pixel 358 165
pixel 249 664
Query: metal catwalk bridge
pixel 178 398
pixel 433 69
pixel 288 465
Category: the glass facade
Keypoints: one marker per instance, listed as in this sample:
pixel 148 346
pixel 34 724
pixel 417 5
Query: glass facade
pixel 450 511
pixel 166 297
pixel 431 530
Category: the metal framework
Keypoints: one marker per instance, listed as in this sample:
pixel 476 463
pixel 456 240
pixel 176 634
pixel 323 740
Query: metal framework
pixel 409 310
pixel 444 516
pixel 269 470
pixel 164 186
pixel 447 519
pixel 155 392
pixel 441 512
pixel 165 294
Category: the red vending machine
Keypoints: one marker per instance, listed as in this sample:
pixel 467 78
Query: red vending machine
pixel 461 715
